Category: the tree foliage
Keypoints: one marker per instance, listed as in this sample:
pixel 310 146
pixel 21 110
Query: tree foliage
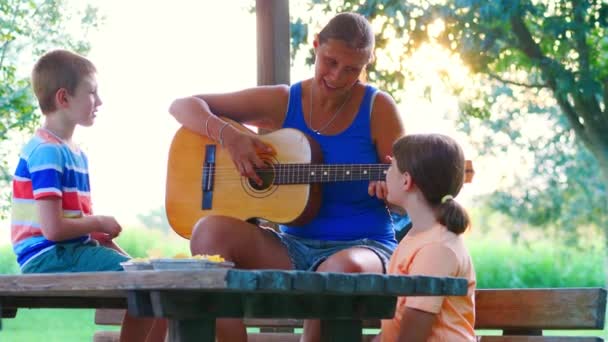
pixel 525 51
pixel 28 28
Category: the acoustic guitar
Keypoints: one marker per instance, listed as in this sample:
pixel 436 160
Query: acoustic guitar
pixel 202 180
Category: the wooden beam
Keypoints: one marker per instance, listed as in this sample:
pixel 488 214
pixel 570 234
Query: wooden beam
pixel 273 39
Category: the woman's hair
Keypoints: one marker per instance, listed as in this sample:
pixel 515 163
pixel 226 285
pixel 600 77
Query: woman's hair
pixel 55 70
pixel 436 164
pixel 351 28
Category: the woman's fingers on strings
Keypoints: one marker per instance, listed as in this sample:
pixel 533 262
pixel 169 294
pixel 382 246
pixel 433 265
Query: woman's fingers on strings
pixel 250 173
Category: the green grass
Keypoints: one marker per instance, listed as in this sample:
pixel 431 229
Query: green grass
pixel 51 326
pixel 543 263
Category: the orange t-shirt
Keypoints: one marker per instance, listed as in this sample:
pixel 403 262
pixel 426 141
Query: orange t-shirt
pixel 441 253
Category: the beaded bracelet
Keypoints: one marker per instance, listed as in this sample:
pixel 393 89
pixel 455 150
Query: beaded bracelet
pixel 220 134
pixel 207 126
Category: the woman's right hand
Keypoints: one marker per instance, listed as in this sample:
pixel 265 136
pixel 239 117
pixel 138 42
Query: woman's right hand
pixel 244 149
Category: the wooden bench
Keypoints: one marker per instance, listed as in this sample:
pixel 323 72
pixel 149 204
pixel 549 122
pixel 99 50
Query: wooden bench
pixel 522 315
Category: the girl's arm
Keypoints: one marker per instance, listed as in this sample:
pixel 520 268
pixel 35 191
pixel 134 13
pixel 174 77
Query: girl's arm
pixel 416 325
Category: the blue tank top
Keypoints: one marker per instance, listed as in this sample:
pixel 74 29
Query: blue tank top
pixel 347 211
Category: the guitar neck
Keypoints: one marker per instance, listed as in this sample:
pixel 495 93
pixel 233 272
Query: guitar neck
pixel 324 173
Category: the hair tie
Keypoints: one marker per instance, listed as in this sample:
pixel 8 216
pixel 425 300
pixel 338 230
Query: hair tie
pixel 446 198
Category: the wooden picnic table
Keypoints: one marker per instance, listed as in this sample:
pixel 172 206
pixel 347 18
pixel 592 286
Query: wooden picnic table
pixel 192 300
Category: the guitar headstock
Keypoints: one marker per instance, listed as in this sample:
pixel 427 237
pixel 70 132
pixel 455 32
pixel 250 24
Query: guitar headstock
pixel 469 172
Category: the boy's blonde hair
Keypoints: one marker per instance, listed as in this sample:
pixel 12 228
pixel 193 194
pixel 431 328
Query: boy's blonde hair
pixel 55 70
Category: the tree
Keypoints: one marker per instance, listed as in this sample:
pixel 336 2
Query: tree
pixel 28 28
pixel 525 52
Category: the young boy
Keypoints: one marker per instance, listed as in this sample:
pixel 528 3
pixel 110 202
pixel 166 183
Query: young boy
pixel 52 223
pixel 425 175
pixel 52 226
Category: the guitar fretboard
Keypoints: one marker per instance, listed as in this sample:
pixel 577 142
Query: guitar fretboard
pixel 323 173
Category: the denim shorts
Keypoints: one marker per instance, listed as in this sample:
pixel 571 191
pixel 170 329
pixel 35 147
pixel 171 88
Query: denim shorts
pixel 307 254
pixel 76 257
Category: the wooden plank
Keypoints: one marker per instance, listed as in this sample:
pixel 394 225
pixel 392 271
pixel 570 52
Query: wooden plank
pixel 297 323
pixel 273 337
pixel 108 284
pixel 567 308
pixel 114 284
pixel 282 337
pixel 109 316
pixel 539 339
pixel 343 283
pixel 273 60
pixel 176 304
pixel 554 308
pixel 106 336
pixel 34 302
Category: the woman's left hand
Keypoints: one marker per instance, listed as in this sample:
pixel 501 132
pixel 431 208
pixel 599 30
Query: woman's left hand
pixel 378 189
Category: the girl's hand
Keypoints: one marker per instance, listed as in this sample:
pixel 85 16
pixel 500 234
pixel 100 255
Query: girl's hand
pixel 378 189
pixel 244 151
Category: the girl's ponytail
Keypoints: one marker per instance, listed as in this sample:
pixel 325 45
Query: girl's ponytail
pixel 452 215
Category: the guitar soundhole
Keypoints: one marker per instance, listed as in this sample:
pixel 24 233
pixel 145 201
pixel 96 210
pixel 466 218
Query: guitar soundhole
pixel 267 176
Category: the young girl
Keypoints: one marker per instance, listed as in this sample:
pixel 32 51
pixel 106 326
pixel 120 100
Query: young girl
pixel 425 176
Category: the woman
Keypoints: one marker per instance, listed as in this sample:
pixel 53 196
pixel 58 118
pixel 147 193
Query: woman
pixel 352 123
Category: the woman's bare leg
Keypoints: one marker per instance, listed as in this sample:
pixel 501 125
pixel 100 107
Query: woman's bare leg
pixel 245 244
pixel 351 260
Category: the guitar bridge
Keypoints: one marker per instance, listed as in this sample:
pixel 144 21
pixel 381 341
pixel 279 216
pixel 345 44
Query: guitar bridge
pixel 208 177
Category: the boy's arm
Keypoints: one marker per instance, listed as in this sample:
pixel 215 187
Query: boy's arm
pixel 55 227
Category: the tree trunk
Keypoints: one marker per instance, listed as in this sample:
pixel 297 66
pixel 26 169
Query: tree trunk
pixel 604 221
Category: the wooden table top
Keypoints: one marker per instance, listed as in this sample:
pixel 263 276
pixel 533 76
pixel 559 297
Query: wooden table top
pixel 112 284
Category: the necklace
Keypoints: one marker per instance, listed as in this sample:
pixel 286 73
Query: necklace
pixel 333 117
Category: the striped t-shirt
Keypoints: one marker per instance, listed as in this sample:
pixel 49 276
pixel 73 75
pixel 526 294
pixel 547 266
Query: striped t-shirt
pixel 47 167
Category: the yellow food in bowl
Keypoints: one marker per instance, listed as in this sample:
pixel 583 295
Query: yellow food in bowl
pixel 209 257
pixel 139 260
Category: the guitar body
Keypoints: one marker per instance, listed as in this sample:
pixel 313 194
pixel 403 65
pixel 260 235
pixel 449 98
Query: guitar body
pixel 198 186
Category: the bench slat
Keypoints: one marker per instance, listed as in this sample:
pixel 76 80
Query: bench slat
pixel 282 337
pixel 505 309
pixel 538 339
pixel 495 309
pixel 109 316
pixel 106 336
pixel 568 308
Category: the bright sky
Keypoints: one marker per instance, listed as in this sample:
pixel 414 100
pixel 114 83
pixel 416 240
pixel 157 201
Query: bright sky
pixel 171 50
pixel 148 53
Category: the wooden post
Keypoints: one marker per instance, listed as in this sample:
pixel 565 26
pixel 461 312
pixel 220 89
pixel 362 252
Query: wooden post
pixel 273 39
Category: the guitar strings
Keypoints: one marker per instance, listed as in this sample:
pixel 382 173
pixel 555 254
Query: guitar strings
pixel 300 172
pixel 301 176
